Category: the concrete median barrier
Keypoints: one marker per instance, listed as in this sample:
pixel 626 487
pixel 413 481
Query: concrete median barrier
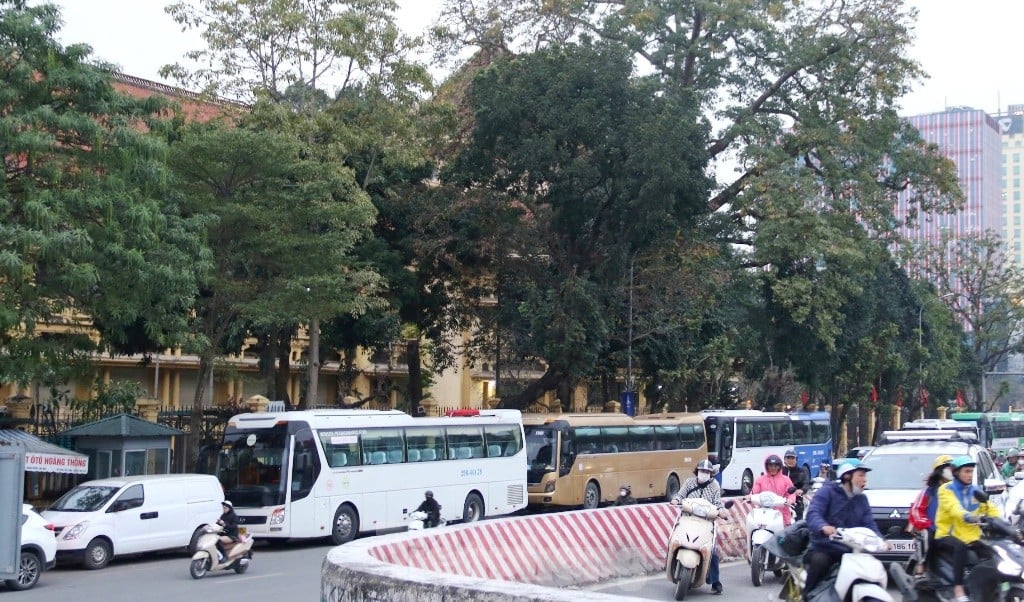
pixel 545 556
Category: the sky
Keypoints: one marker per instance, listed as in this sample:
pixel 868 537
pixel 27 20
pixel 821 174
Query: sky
pixel 969 48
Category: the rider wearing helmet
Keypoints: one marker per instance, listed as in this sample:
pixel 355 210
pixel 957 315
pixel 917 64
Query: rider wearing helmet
pixel 924 508
pixel 1010 468
pixel 703 485
pixel 837 505
pixel 229 528
pixel 432 508
pixel 774 481
pixel 801 480
pixel 625 496
pixel 956 522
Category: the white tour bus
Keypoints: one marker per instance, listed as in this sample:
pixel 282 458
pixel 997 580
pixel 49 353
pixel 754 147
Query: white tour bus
pixel 336 473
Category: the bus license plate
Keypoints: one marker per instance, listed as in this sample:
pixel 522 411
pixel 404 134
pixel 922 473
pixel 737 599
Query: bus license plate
pixel 903 545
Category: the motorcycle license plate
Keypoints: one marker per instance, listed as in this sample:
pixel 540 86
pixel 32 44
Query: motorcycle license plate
pixel 903 545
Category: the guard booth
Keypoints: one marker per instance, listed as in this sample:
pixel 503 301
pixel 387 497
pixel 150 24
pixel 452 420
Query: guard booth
pixel 12 470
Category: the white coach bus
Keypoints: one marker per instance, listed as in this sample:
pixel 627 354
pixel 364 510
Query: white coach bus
pixel 336 473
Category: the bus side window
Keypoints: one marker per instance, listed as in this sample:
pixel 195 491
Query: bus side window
pixel 305 465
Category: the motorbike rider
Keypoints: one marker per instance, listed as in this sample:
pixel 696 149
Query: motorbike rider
pixel 432 508
pixel 956 521
pixel 625 496
pixel 774 481
pixel 924 508
pixel 1010 468
pixel 837 505
pixel 229 528
pixel 801 480
pixel 703 485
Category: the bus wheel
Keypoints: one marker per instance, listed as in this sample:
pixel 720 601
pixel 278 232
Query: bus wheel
pixel 473 509
pixel 346 525
pixel 592 496
pixel 672 487
pixel 747 483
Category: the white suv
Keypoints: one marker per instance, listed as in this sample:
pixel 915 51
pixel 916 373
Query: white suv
pixel 38 549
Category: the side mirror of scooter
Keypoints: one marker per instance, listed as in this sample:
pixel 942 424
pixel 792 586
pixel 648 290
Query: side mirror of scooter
pixel 791 490
pixel 981 496
pixel 728 504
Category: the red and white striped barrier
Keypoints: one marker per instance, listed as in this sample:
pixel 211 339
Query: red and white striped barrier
pixel 559 549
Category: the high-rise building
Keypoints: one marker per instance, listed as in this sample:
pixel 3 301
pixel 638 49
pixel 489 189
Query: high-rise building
pixel 1011 128
pixel 971 139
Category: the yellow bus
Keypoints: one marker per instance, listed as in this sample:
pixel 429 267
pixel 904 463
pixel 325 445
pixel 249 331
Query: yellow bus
pixel 583 459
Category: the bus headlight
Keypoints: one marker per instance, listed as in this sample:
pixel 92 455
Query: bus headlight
pixel 550 487
pixel 277 516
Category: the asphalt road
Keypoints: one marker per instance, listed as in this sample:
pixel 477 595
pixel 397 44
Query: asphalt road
pixel 292 572
pixel 735 581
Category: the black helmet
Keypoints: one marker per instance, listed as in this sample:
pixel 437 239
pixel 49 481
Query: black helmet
pixel 627 489
pixel 772 459
pixel 429 493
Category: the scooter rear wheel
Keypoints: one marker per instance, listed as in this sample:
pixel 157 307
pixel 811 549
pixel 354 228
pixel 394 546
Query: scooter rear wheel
pixel 241 567
pixel 1015 594
pixel 199 567
pixel 684 575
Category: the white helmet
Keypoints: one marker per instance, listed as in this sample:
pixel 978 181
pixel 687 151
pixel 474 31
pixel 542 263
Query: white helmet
pixel 848 467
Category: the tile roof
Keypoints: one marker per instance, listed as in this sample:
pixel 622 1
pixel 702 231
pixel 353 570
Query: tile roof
pixel 122 425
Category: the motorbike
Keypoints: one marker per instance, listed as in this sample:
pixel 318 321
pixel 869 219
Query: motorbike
pixel 206 557
pixel 690 545
pixel 859 576
pixel 763 522
pixel 994 574
pixel 418 520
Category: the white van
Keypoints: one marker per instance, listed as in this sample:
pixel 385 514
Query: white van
pixel 100 519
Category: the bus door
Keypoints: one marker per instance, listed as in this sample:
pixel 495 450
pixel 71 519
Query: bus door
pixel 726 435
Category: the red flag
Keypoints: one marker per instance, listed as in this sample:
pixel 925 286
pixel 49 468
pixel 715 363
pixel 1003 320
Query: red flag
pixel 803 398
pixel 874 394
pixel 899 397
pixel 924 397
pixel 959 398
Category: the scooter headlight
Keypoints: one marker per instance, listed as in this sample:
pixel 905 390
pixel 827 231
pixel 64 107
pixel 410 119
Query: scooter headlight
pixel 1007 565
pixel 701 511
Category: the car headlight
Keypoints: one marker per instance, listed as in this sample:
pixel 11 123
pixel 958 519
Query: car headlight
pixel 73 532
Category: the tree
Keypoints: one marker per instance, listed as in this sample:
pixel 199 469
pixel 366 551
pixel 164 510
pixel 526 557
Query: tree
pixel 807 143
pixel 286 224
pixel 602 170
pixel 87 228
pixel 984 289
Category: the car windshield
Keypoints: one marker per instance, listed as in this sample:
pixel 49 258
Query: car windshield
pixel 898 471
pixel 84 498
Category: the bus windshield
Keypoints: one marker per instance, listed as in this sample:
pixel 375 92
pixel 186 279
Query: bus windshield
pixel 252 466
pixel 540 452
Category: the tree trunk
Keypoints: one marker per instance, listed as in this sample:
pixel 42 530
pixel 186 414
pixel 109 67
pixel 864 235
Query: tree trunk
pixel 283 350
pixel 534 390
pixel 312 397
pixel 195 439
pixel 267 353
pixel 412 360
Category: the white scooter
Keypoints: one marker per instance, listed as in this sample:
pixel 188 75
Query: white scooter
pixel 688 557
pixel 207 558
pixel 763 522
pixel 418 519
pixel 861 576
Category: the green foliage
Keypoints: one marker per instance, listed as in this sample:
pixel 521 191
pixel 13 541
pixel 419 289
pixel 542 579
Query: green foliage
pixel 601 170
pixel 114 397
pixel 86 229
